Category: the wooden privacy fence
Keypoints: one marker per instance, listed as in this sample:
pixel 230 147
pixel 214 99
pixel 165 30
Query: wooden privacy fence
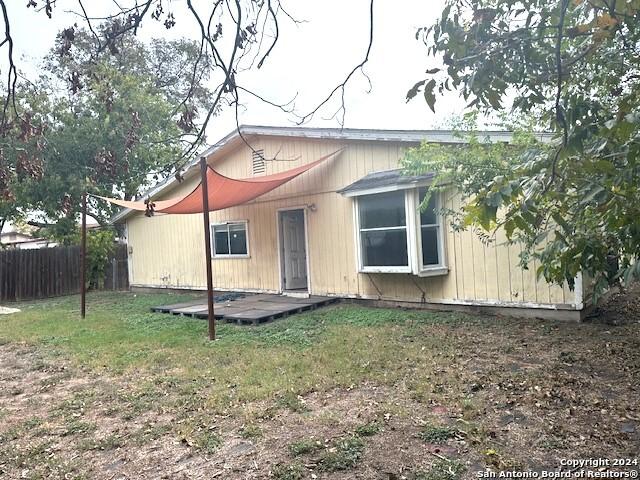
pixel 52 272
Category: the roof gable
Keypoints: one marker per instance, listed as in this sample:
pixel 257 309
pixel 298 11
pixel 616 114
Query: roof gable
pixel 242 135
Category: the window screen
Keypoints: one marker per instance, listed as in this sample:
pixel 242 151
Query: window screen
pixel 230 239
pixel 383 230
pixel 429 231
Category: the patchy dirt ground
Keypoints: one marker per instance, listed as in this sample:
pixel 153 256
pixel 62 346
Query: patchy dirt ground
pixel 510 395
pixel 619 308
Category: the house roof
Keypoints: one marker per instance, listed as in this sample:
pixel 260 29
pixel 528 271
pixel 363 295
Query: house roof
pixel 389 179
pixel 238 136
pixel 366 134
pixel 15 238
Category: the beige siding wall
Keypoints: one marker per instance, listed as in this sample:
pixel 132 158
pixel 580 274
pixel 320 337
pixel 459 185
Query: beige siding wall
pixel 167 250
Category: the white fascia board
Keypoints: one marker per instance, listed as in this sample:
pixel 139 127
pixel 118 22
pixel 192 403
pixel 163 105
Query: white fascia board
pixel 404 136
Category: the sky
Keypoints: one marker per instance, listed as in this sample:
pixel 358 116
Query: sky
pixel 310 59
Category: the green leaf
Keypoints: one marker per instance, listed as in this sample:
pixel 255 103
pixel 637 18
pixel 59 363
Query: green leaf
pixel 588 194
pixel 561 222
pixel 509 228
pixel 413 91
pixel 429 94
pixel 605 166
pixel 493 98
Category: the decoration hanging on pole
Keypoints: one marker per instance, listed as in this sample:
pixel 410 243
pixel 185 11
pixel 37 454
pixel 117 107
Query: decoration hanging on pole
pixel 83 257
pixel 207 247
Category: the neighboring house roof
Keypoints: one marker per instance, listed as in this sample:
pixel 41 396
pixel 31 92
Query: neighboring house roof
pixel 235 138
pixel 9 239
pixel 17 237
pixel 386 180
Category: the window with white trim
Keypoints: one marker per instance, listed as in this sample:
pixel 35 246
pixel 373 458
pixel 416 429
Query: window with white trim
pixel 429 230
pixel 230 239
pixel 383 230
pixel 396 236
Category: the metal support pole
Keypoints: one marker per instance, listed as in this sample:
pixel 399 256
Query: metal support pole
pixel 207 247
pixel 83 257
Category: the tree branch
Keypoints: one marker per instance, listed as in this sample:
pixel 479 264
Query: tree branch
pixel 12 76
pixel 341 87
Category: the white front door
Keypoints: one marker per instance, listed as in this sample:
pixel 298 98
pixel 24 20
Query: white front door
pixel 294 253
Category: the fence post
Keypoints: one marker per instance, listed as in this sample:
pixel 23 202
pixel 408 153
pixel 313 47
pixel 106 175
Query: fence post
pixel 114 272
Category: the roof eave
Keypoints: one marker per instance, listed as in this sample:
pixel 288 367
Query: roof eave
pixel 171 181
pixel 348 134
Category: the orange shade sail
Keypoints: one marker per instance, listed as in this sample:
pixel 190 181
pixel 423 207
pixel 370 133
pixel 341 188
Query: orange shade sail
pixel 224 192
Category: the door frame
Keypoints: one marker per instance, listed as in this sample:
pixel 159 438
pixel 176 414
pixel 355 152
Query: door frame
pixel 281 245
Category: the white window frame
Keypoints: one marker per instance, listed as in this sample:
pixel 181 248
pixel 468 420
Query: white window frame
pixel 414 236
pixel 215 255
pixel 420 268
pixel 382 269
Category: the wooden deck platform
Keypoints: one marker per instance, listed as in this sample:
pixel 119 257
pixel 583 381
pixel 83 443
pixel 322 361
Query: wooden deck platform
pixel 251 309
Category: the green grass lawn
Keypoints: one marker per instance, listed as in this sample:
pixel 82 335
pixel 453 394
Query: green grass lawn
pixel 319 393
pixel 335 346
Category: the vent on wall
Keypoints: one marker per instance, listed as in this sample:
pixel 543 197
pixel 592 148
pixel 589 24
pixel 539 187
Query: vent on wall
pixel 259 166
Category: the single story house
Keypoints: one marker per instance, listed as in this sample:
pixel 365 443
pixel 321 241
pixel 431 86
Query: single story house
pixel 350 227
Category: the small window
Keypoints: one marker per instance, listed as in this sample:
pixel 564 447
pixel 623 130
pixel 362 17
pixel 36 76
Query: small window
pixel 383 231
pixel 429 231
pixel 259 166
pixel 230 239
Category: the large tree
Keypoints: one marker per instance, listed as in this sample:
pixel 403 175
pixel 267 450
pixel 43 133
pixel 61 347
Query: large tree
pixel 108 124
pixel 232 37
pixel 574 66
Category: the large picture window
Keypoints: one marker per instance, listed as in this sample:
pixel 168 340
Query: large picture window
pixel 383 230
pixel 395 235
pixel 230 239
